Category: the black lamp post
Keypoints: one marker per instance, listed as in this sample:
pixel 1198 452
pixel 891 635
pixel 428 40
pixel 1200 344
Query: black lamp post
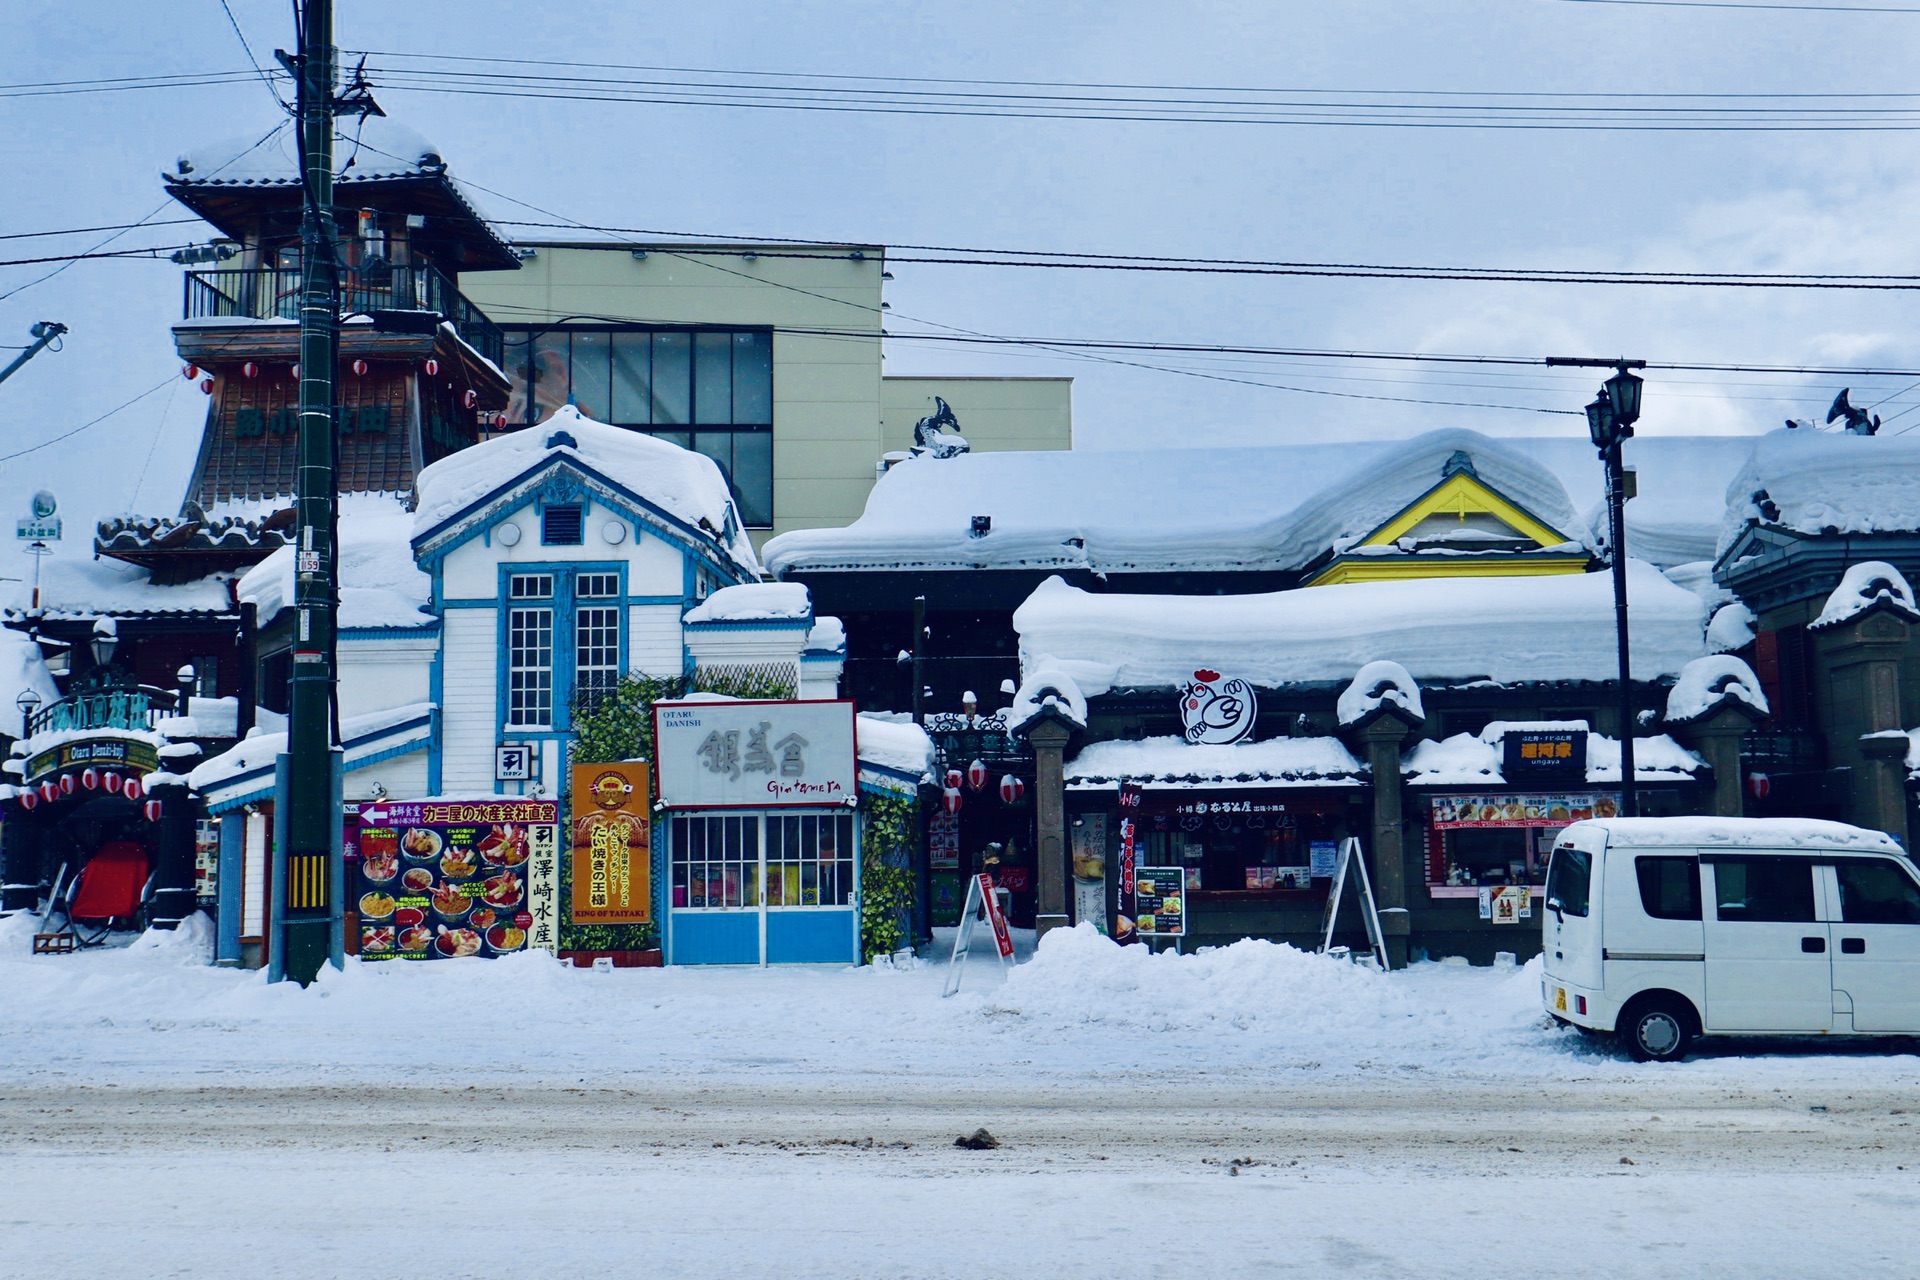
pixel 1610 420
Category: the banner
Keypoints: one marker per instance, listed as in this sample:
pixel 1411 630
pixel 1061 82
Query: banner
pixel 754 755
pixel 1512 810
pixel 446 879
pixel 612 862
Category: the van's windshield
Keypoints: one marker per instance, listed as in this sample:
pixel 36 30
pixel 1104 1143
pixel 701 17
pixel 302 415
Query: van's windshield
pixel 1570 880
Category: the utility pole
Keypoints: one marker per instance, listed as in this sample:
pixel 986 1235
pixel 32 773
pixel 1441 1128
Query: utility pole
pixel 44 335
pixel 308 886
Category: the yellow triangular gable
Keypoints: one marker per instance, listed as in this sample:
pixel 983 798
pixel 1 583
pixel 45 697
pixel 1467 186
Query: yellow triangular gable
pixel 1462 495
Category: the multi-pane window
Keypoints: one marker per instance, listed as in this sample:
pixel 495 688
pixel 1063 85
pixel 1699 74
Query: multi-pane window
pixel 596 637
pixel 530 650
pixel 708 390
pixel 717 861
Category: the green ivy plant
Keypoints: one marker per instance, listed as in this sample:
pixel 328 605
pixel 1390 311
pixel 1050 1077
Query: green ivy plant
pixel 886 891
pixel 616 726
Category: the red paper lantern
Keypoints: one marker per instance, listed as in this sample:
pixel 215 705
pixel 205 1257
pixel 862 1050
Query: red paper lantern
pixel 28 799
pixel 66 784
pixel 500 421
pixel 359 368
pixel 953 780
pixel 152 810
pixel 950 799
pixel 296 373
pixel 130 788
pixel 206 385
pixel 49 792
pixel 113 783
pixel 432 367
pixel 1760 785
pixel 977 774
pixel 470 398
pixel 90 779
pixel 191 372
pixel 1011 789
pixel 251 369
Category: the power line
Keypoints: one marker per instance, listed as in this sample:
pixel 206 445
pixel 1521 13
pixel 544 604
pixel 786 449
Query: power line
pixel 265 79
pixel 94 422
pixel 1741 4
pixel 112 226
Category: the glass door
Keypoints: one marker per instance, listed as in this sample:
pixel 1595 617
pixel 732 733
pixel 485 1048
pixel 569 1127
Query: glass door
pixel 775 888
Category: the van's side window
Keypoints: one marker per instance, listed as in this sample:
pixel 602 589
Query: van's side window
pixel 1874 892
pixel 1570 880
pixel 1761 888
pixel 1669 887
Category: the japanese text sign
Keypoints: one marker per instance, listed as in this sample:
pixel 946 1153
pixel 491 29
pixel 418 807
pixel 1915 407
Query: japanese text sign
pixel 755 754
pixel 611 828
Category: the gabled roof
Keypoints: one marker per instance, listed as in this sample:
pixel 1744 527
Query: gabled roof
pixel 683 489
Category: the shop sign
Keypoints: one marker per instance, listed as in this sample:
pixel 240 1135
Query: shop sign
pixel 1160 901
pixel 206 859
pixel 1199 808
pixel 1216 711
pixel 1546 754
pixel 1516 810
pixel 1326 856
pixel 444 879
pixel 943 841
pixel 755 754
pixel 612 825
pixel 140 757
pixel 1508 905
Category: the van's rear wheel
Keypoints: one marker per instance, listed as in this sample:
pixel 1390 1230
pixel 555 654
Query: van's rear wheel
pixel 1659 1029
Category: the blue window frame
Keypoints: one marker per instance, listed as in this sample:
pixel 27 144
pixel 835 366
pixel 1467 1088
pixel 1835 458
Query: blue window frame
pixel 563 641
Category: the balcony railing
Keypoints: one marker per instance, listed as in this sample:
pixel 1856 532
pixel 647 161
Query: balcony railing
pixel 273 293
pixel 133 708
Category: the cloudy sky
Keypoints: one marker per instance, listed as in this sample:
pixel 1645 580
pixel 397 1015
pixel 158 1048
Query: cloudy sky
pixel 1682 201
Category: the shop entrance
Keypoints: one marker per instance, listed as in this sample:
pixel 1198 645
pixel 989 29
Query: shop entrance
pixel 774 887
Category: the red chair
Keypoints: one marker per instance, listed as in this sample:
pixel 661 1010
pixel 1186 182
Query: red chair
pixel 115 885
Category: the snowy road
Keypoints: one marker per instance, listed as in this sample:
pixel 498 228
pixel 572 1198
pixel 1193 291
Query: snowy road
pixel 161 1118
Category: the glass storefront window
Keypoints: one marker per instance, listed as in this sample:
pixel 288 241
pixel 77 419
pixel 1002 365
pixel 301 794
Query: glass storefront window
pixel 1238 852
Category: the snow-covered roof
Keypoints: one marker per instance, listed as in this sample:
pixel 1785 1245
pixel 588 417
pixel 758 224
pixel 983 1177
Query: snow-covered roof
pixel 1046 688
pixel 1706 683
pixel 1742 833
pixel 1732 628
pixel 1474 760
pixel 380 585
pixel 1262 507
pixel 895 753
pixel 1379 684
pixel 22 670
pixel 1865 585
pixel 73 585
pixel 1277 762
pixel 756 602
pixel 1531 629
pixel 1813 481
pixel 688 486
pixel 360 736
pixel 365 150
pixel 827 636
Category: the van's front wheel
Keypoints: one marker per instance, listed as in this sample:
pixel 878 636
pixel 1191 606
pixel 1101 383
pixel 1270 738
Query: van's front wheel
pixel 1659 1029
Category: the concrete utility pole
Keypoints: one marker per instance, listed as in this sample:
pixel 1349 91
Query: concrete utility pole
pixel 308 887
pixel 44 334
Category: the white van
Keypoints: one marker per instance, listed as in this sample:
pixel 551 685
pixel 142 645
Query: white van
pixel 1663 929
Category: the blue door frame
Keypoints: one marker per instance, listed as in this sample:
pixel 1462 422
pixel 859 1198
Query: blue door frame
pixel 762 934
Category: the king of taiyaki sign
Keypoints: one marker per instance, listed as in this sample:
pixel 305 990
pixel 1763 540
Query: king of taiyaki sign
pixel 1215 711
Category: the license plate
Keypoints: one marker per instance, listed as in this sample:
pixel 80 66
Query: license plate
pixel 1560 999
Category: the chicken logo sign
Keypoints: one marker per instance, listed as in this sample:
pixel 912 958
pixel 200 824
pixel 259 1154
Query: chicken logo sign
pixel 1216 711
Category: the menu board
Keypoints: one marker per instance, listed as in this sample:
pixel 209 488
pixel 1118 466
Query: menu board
pixel 1160 901
pixel 439 880
pixel 943 841
pixel 1532 810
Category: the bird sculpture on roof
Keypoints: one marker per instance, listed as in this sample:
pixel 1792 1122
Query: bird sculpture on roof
pixel 939 432
pixel 1859 421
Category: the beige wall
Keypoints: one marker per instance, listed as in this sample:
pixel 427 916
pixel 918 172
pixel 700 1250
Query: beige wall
pixel 995 414
pixel 833 413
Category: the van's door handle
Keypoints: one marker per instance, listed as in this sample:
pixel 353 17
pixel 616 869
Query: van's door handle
pixel 1853 946
pixel 1813 944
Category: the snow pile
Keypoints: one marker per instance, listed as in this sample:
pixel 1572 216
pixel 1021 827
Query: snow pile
pixel 1657 758
pixel 828 635
pixel 1047 686
pixel 894 748
pixel 1758 833
pixel 1706 683
pixel 1816 481
pixel 688 486
pixel 373 147
pixel 1472 760
pixel 1865 585
pixel 75 587
pixel 1275 762
pixel 258 749
pixel 1251 508
pixel 380 585
pixel 1697 577
pixel 1464 760
pixel 1732 628
pixel 1378 684
pixel 1440 629
pixel 22 670
pixel 755 602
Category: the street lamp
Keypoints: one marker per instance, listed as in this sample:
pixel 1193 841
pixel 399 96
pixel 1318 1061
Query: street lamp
pixel 1610 419
pixel 28 702
pixel 106 638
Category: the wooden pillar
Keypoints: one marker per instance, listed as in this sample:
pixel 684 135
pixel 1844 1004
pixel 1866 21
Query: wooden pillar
pixel 1880 783
pixel 1717 736
pixel 1863 657
pixel 1049 736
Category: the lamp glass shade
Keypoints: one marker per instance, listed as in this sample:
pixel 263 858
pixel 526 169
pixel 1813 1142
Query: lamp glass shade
pixel 1600 423
pixel 104 643
pixel 28 702
pixel 1623 393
